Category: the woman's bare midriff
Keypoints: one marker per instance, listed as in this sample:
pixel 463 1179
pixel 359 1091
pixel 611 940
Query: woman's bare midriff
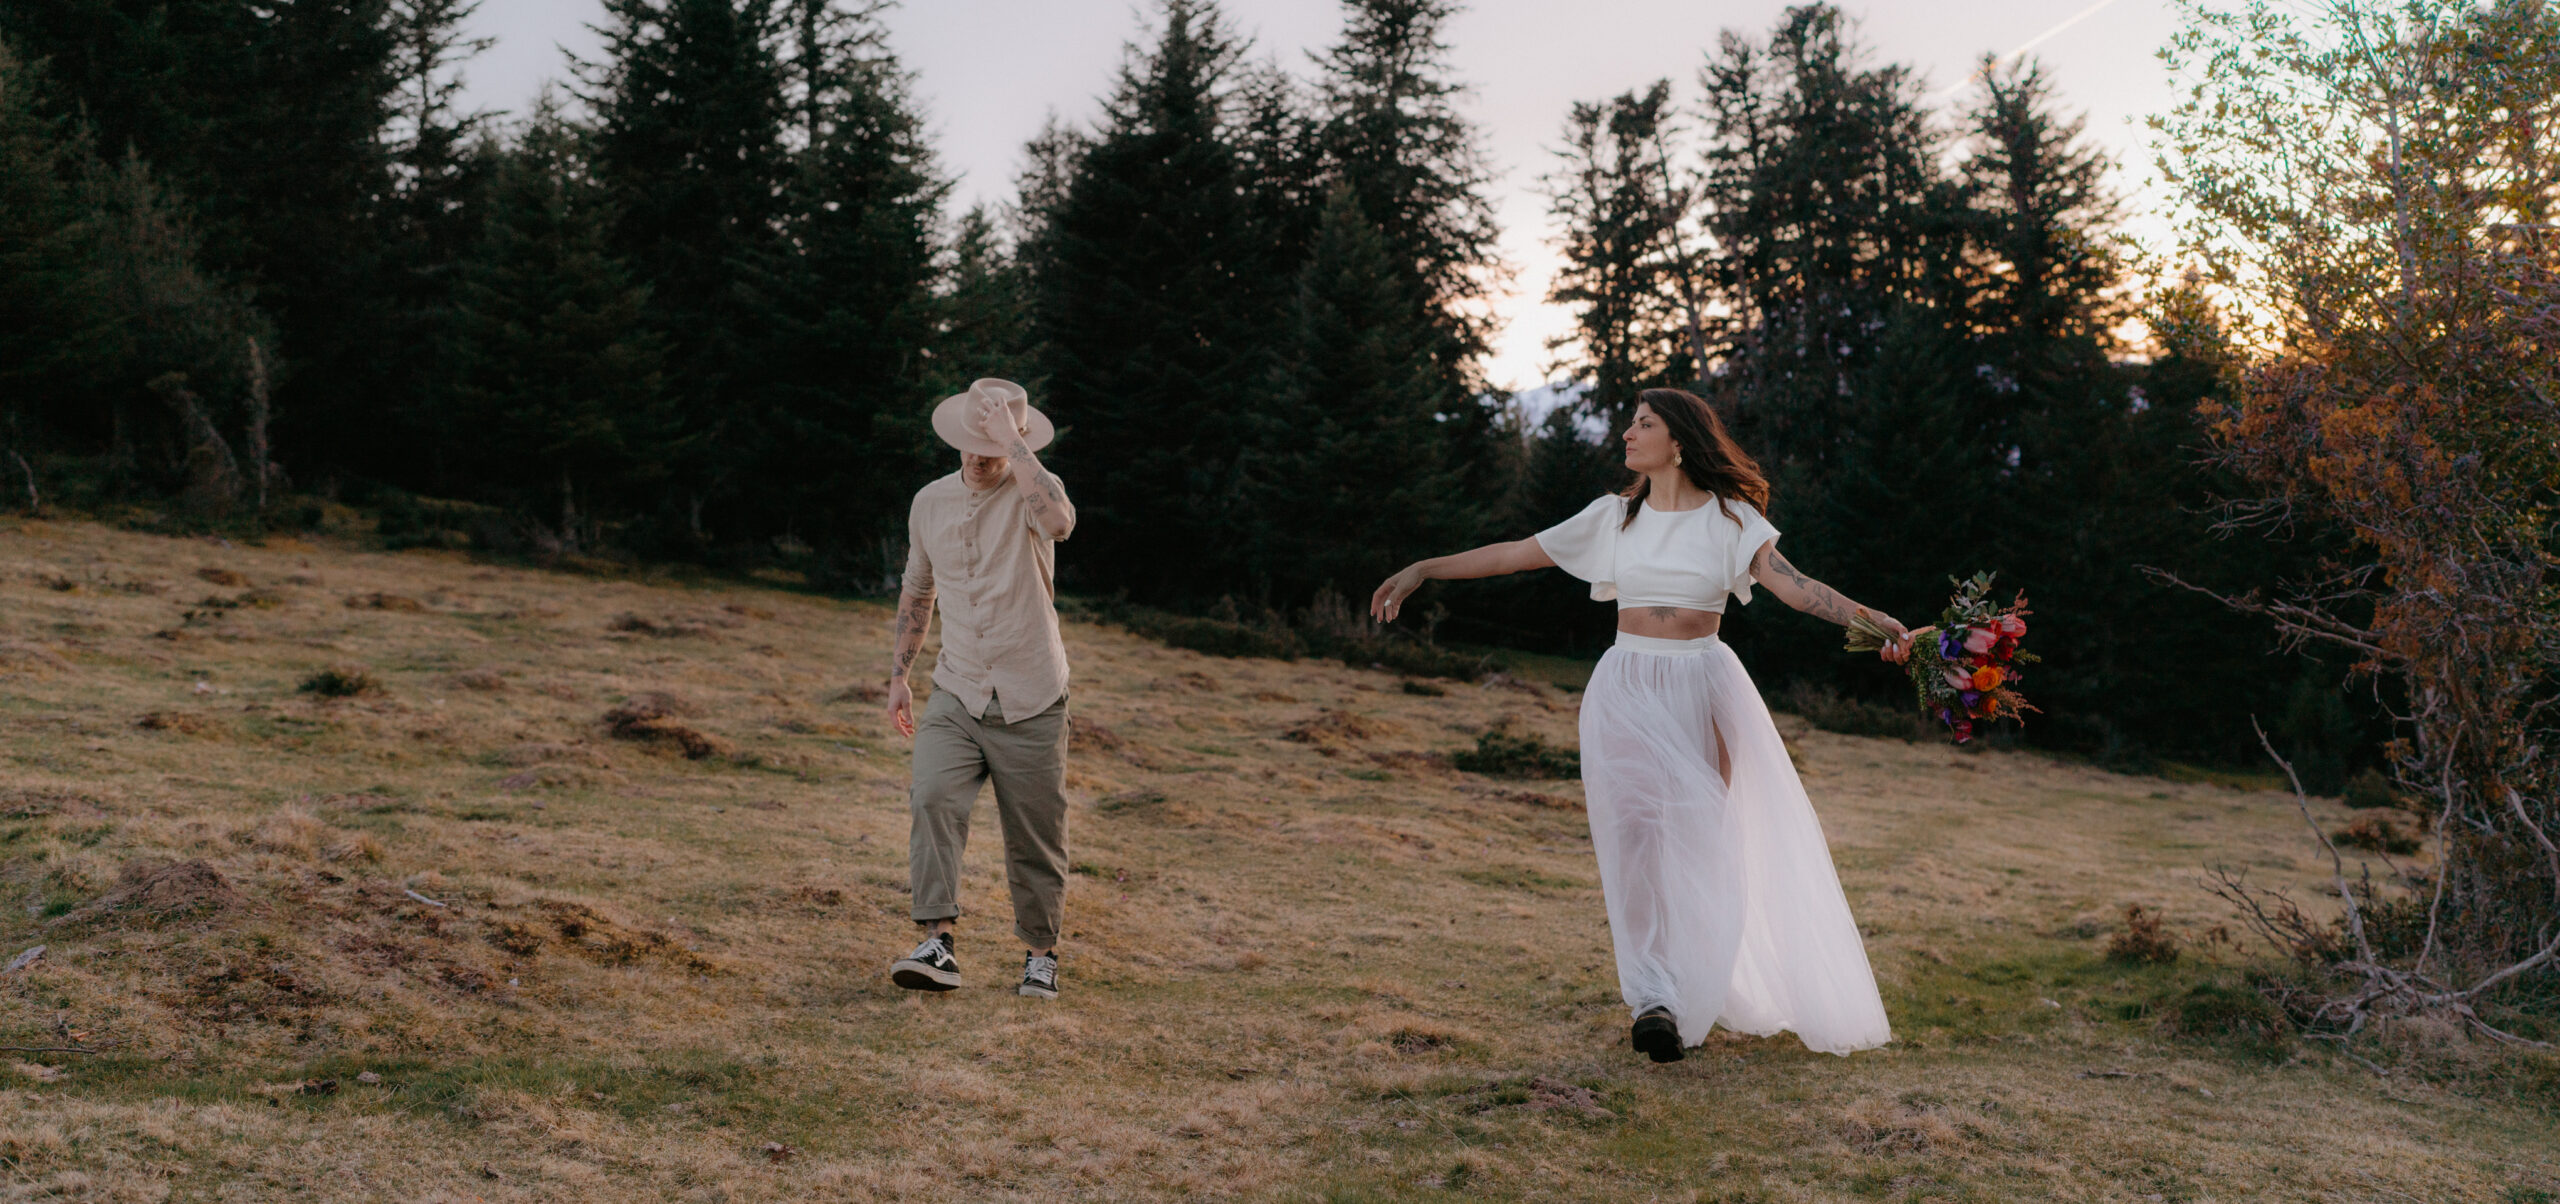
pixel 1669 622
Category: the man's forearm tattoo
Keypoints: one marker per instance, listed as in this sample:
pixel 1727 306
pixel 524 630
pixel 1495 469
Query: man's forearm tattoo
pixel 1045 498
pixel 915 613
pixel 1821 601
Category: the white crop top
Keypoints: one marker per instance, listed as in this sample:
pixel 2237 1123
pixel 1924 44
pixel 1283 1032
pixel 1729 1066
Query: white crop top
pixel 1685 558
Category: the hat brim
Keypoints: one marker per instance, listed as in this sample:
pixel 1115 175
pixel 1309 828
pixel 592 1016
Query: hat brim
pixel 951 421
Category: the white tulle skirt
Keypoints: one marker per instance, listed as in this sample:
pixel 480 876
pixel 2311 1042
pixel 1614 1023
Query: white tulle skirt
pixel 1723 904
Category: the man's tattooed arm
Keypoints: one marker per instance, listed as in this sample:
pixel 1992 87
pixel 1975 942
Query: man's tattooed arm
pixel 1047 499
pixel 1800 591
pixel 915 614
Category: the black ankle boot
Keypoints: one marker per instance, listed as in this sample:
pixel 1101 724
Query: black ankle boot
pixel 1657 1036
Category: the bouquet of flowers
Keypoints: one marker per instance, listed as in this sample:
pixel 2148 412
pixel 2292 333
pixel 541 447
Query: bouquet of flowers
pixel 1969 671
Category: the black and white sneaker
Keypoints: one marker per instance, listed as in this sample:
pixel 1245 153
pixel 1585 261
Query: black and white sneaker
pixel 1657 1036
pixel 929 968
pixel 1039 975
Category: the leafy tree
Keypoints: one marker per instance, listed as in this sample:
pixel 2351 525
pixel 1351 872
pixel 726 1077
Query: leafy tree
pixel 2383 207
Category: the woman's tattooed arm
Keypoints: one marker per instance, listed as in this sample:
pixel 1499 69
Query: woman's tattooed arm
pixel 1800 591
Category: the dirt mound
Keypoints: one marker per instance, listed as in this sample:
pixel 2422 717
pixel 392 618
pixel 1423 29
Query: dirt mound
pixel 652 719
pixel 1330 726
pixel 157 892
pixel 222 577
pixel 382 601
pixel 539 752
pixel 18 656
pixel 192 723
pixel 671 626
pixel 38 802
pixel 580 929
pixel 1085 733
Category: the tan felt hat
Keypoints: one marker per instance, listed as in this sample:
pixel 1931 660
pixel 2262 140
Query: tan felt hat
pixel 956 419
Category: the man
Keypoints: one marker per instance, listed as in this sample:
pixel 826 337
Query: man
pixel 981 543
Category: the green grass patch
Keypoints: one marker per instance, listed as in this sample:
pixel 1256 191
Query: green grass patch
pixel 1521 877
pixel 1503 754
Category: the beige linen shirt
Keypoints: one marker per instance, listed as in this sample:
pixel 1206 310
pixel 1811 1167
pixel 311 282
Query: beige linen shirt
pixel 982 559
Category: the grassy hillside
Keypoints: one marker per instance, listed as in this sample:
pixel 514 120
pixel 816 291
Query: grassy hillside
pixel 404 876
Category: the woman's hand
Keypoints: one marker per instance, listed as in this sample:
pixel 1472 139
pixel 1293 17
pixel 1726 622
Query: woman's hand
pixel 1388 602
pixel 1897 645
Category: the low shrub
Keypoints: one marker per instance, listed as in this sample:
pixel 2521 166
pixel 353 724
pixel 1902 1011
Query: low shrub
pixel 1829 710
pixel 2370 789
pixel 1502 754
pixel 2144 940
pixel 1326 628
pixel 342 681
pixel 2377 834
pixel 2229 1014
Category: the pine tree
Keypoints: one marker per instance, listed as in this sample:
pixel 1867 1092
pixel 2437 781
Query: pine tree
pixel 689 119
pixel 430 221
pixel 268 119
pixel 2042 189
pixel 849 295
pixel 1158 311
pixel 1393 135
pixel 1349 476
pixel 38 330
pixel 1824 193
pixel 1609 195
pixel 558 404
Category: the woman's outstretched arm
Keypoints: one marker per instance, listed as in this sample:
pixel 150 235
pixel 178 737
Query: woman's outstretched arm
pixel 1491 560
pixel 1771 569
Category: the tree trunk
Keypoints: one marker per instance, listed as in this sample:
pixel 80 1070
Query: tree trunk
pixel 568 516
pixel 259 469
pixel 213 474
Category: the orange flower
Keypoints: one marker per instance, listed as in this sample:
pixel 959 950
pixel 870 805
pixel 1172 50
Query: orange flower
pixel 1987 677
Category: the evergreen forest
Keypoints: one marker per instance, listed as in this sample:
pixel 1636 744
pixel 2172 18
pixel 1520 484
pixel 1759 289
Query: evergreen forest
pixel 695 305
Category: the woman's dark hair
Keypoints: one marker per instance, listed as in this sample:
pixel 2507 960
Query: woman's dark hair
pixel 1708 456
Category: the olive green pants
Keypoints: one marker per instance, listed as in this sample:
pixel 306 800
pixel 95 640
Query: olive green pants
pixel 955 752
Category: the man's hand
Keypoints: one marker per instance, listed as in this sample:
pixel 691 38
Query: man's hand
pixel 995 421
pixel 902 707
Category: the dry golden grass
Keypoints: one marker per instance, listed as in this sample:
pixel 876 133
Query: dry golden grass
pixel 590 895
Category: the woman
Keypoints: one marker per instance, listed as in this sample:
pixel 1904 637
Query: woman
pixel 1723 904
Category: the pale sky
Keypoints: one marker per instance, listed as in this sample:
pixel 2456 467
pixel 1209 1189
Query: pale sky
pixel 990 71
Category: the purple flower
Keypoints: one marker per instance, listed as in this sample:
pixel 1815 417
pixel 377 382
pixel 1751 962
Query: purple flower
pixel 1950 646
pixel 1970 699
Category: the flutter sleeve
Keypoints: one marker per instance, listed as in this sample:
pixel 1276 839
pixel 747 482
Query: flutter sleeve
pixel 1755 531
pixel 1586 545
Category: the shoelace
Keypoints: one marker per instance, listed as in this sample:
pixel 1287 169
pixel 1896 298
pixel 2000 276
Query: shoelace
pixel 930 950
pixel 1042 970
